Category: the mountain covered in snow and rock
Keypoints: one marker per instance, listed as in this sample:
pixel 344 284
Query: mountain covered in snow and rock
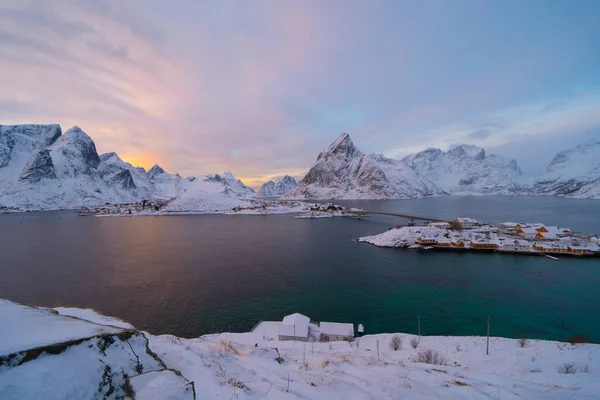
pixel 573 173
pixel 344 172
pixel 466 170
pixel 42 168
pixel 278 187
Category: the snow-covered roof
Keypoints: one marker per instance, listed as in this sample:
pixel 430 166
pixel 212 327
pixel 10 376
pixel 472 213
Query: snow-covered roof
pixel 440 224
pixel 337 328
pixel 295 331
pixel 555 245
pixel 531 230
pixel 296 319
pixel 547 235
pixel 556 230
pixel 466 219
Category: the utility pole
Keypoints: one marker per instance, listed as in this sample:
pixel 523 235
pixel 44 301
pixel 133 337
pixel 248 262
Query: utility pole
pixel 487 347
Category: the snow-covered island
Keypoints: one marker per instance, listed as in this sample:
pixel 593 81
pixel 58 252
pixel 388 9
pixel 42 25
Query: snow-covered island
pixel 78 354
pixel 468 234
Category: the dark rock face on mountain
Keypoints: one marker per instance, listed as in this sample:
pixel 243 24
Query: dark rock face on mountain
pixel 343 172
pixel 122 180
pixel 572 173
pixel 39 166
pixel 75 153
pixel 15 139
pixel 277 188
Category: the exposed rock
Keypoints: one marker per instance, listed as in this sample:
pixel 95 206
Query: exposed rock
pixel 38 167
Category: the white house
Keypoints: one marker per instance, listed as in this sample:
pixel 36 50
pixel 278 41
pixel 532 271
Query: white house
pixel 466 222
pixel 293 332
pixel 336 331
pixel 517 245
pixel 294 327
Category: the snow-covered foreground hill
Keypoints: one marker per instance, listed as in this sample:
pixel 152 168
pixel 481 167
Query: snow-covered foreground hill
pixel 78 360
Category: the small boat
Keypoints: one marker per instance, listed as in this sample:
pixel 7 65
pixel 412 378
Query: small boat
pixel 551 257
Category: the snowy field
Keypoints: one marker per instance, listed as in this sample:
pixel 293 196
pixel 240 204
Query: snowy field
pixel 245 366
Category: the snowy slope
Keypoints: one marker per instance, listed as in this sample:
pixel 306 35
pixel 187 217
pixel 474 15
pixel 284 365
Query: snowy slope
pixel 243 365
pixel 278 187
pixel 44 355
pixel 467 169
pixel 573 173
pixel 344 172
pixel 407 182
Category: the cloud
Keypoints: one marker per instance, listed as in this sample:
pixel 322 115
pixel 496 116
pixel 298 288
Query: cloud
pixel 480 134
pixel 259 89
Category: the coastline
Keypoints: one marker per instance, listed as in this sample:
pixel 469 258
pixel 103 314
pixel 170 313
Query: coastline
pixel 244 364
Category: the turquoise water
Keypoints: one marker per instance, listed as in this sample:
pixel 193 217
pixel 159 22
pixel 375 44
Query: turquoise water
pixel 190 275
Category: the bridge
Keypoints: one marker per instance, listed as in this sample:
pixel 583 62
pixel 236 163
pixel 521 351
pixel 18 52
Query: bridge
pixel 412 218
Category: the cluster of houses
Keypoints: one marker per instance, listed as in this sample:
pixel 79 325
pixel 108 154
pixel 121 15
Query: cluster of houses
pixel 467 233
pixel 300 328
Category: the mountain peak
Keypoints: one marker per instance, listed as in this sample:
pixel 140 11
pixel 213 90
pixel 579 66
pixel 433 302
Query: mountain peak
pixel 155 170
pixel 341 146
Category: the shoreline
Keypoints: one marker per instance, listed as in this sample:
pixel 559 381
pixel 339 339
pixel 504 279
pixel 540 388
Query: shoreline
pixel 80 353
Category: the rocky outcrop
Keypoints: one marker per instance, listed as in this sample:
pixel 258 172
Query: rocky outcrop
pixel 39 166
pixel 15 139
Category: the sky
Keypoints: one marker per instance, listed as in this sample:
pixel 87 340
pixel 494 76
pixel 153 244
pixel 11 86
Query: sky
pixel 260 87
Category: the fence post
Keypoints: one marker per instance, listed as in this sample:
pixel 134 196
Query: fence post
pixel 419 325
pixel 487 347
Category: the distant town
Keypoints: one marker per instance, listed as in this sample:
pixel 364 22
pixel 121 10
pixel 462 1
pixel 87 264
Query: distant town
pixel 468 234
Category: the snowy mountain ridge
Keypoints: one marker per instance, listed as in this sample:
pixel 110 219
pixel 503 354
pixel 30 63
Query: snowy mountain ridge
pixel 574 173
pixel 278 187
pixel 467 169
pixel 42 168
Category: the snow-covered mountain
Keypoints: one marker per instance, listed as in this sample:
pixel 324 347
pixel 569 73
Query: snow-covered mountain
pixel 344 172
pixel 573 173
pixel 41 168
pixel 467 169
pixel 278 187
pixel 407 182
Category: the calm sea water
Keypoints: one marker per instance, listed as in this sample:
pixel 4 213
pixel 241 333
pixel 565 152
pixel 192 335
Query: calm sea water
pixel 191 275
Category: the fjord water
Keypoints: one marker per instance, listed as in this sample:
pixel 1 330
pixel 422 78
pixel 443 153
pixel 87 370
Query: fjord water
pixel 191 275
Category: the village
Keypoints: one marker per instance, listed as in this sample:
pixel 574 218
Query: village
pixel 468 234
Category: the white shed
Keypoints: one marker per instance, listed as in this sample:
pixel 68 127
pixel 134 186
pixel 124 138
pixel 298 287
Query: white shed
pixel 336 331
pixel 293 332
